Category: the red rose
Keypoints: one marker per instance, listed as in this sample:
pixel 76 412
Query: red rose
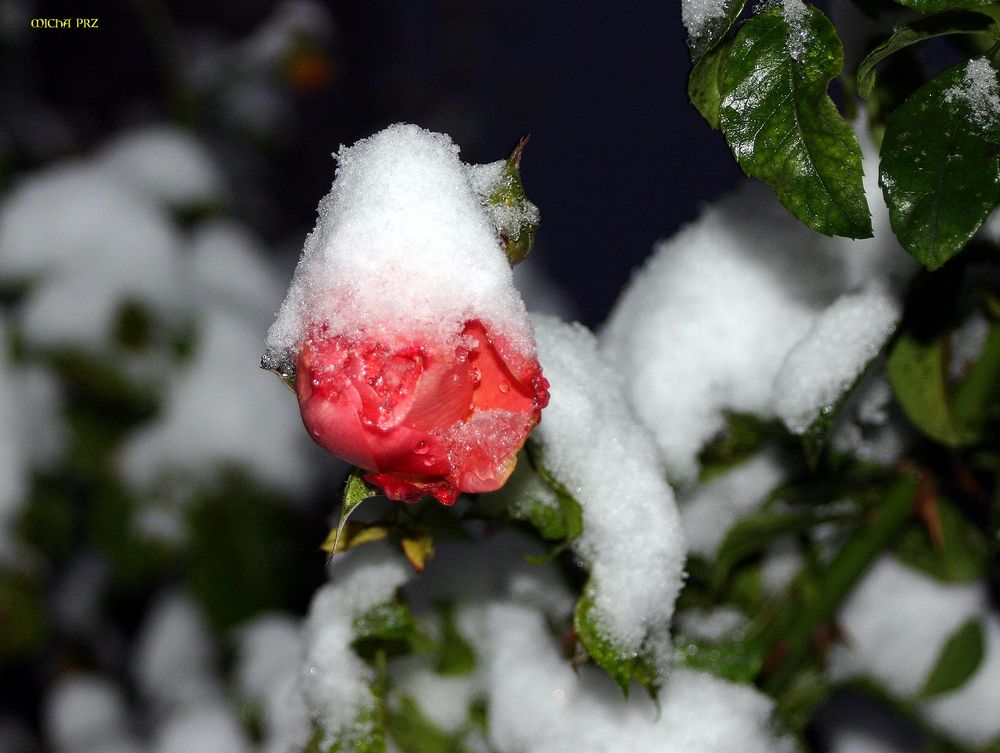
pixel 423 418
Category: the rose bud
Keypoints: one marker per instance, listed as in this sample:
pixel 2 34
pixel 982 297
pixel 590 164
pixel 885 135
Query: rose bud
pixel 424 419
pixel 407 344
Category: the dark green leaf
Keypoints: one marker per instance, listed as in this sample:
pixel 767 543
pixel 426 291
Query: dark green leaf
pixel 935 6
pixel 455 655
pixel 623 667
pixel 940 171
pixel 963 555
pixel 743 435
pixel 758 531
pixel 705 82
pixel 958 661
pixel 976 399
pixel 714 29
pixel 916 372
pixel 949 22
pixel 785 130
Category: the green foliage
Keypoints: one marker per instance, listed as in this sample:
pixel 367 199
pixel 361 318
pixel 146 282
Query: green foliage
pixel 959 659
pixel 622 666
pixel 736 659
pixel 705 83
pixel 933 6
pixel 23 624
pixel 743 435
pixel 415 733
pixel 976 399
pixel 940 171
pixel 961 555
pixel 455 654
pixel 918 374
pixel 783 127
pixel 920 30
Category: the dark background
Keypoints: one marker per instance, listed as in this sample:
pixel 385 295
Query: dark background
pixel 618 157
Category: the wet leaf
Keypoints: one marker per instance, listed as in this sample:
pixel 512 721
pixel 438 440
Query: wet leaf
pixel 958 661
pixel 949 22
pixel 785 130
pixel 940 170
pixel 743 435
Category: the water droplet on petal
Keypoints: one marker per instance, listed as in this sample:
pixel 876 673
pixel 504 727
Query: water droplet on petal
pixel 504 387
pixel 421 448
pixel 430 460
pixel 476 375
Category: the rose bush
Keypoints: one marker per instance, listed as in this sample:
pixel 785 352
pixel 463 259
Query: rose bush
pixel 422 417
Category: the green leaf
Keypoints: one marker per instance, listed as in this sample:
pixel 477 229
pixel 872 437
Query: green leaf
pixel 976 399
pixel 514 217
pixel 455 655
pixel 623 667
pixel 963 556
pixel 757 532
pixel 743 435
pixel 935 6
pixel 387 628
pixel 958 661
pixel 940 171
pixel 415 733
pixel 733 660
pixel 356 491
pixel 785 130
pixel 917 373
pixel 949 22
pixel 705 83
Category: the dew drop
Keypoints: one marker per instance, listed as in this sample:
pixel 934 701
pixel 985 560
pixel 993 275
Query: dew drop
pixel 430 460
pixel 476 375
pixel 504 387
pixel 421 448
pixel 315 382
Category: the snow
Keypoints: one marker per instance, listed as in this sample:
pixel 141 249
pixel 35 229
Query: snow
pixel 794 13
pixel 537 702
pixel 830 357
pixel 978 90
pixel 173 659
pixel 232 292
pixel 590 442
pixel 402 251
pixel 966 345
pixel 716 624
pixel 895 624
pixel 696 14
pixel 268 647
pixel 335 683
pixel 90 243
pixel 711 509
pixel 870 426
pixel 82 711
pixel 164 164
pixel 211 728
pixel 443 699
pixel 743 305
